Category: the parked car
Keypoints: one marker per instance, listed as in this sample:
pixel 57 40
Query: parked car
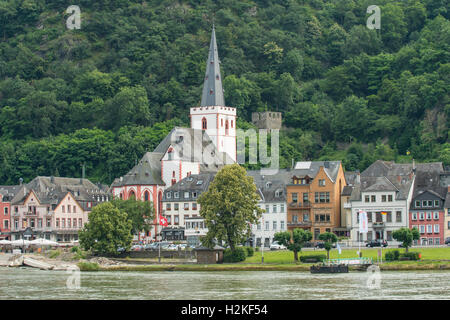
pixel 137 247
pixel 320 245
pixel 182 246
pixel 149 246
pixel 155 245
pixel 172 247
pixel 276 246
pixel 376 243
pixel 447 240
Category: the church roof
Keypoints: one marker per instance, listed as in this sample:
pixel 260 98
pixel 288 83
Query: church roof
pixel 212 87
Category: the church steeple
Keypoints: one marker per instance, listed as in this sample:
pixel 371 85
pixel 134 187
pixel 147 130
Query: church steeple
pixel 212 86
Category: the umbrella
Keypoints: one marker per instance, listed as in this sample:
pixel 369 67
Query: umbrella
pixel 20 242
pixel 44 242
pixel 5 242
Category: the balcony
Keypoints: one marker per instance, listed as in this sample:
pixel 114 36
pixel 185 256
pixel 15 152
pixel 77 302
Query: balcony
pixel 300 224
pixel 378 224
pixel 300 205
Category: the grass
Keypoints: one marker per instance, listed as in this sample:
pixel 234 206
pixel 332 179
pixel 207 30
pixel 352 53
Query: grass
pixel 287 257
pixel 88 266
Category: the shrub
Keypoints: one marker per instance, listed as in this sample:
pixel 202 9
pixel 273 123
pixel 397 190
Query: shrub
pixel 54 253
pixel 238 255
pixel 88 266
pixel 313 258
pixel 409 256
pixel 250 251
pixel 75 249
pixel 392 255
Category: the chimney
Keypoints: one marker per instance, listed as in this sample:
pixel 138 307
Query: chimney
pixel 326 164
pixel 358 178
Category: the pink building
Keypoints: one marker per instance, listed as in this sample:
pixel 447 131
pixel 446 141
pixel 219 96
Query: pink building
pixel 6 195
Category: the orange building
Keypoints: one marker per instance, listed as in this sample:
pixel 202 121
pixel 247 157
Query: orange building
pixel 314 197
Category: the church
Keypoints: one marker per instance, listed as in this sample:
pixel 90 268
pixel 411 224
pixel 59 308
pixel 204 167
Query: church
pixel 208 145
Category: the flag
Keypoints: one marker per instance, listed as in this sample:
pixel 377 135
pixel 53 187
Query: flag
pixel 363 227
pixel 163 221
pixel 384 212
pixel 339 248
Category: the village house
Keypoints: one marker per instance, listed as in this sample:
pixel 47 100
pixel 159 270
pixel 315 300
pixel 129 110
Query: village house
pixel 272 192
pixel 54 208
pixel 427 211
pixel 181 210
pixel 6 195
pixel 314 197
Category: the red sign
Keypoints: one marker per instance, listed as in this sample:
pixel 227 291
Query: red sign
pixel 163 222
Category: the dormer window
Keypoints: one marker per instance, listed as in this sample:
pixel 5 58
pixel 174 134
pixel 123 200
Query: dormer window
pixel 170 154
pixel 169 195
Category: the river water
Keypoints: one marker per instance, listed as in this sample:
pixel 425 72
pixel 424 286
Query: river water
pixel 26 283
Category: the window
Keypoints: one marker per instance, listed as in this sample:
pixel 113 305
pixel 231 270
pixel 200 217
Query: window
pixel 186 206
pixel 414 216
pixel 321 182
pixel 421 215
pixel 306 217
pixel 176 195
pixel 429 228
pixel 436 241
pixel 436 215
pixel 57 222
pixel 428 215
pixel 378 217
pixel 69 223
pixel 49 223
pixel 398 217
pixel 169 219
pixel 74 209
pixel 274 225
pixel 186 195
pixel 383 198
pixel 68 208
pixel 267 225
pixel 436 228
pixel 204 125
pixel 194 195
pixel 389 216
pixel 417 204
pixel 39 223
pixel 282 225
pixel 16 224
pixel 168 206
pixel 5 224
pixel 80 222
pixel 390 198
pixel 169 195
pixel 294 197
pixel 258 227
pixel 274 208
pixel 63 209
pixel 6 211
pixel 194 206
pixel 373 198
pixel 448 226
pixel 63 222
pixel 226 127
pixel 430 203
pixel 369 236
pixel 282 208
pixel 74 223
pixel 176 220
pixel 294 218
pixel 146 196
pixel 267 208
pixel 369 216
pixel 436 203
pixel 176 206
pixel 366 198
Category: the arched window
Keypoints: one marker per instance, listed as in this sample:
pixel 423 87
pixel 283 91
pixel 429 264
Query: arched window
pixel 146 196
pixel 221 122
pixel 159 202
pixel 121 196
pixel 204 125
pixel 170 154
pixel 131 195
pixel 173 174
pixel 232 123
pixel 226 127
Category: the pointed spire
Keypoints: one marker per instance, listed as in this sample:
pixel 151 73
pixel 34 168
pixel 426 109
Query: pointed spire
pixel 212 86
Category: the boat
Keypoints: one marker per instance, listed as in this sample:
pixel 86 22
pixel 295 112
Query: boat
pixel 334 268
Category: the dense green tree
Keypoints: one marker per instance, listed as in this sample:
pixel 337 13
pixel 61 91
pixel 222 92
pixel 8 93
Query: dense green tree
pixel 328 239
pixel 406 236
pixel 229 207
pixel 294 240
pixel 140 213
pixel 108 229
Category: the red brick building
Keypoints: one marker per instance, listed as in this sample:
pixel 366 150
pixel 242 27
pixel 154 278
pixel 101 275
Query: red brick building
pixel 6 195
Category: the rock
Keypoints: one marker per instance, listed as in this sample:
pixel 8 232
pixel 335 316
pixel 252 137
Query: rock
pixel 37 264
pixel 15 261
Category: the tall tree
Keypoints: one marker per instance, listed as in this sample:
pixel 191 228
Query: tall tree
pixel 140 213
pixel 328 238
pixel 229 207
pixel 406 236
pixel 293 241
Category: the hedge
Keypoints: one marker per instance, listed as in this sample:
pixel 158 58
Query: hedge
pixel 238 255
pixel 410 256
pixel 313 258
pixel 250 251
pixel 392 255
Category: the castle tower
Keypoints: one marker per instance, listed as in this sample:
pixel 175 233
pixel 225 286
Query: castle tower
pixel 212 115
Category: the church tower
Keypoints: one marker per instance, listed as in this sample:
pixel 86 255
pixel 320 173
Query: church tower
pixel 213 116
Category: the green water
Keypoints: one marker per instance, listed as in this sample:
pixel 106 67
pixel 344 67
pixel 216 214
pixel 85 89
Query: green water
pixel 26 283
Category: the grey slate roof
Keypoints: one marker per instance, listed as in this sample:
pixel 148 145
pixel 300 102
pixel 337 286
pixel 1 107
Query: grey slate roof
pixel 194 183
pixel 347 191
pixel 212 87
pixel 351 177
pixel 8 192
pixel 269 186
pixel 311 168
pixel 191 146
pixel 51 190
pixel 146 172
